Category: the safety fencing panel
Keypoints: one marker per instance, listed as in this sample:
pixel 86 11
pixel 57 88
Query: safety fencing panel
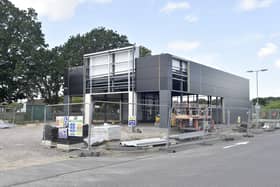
pixel 64 124
pixel 116 124
pixel 133 124
pixel 270 114
pixel 7 114
pixel 122 124
pixel 22 114
pixel 190 121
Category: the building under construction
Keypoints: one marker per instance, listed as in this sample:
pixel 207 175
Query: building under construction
pixel 121 75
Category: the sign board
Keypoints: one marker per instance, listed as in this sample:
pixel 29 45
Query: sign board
pixel 61 121
pixel 62 133
pixel 75 127
pixel 132 121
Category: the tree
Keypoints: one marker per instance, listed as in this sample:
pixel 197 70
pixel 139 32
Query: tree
pixel 98 39
pixel 20 38
pixel 145 51
pixel 272 105
pixel 265 100
pixel 47 74
pixel 28 68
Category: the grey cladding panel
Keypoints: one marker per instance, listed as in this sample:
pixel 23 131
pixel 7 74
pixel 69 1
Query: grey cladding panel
pixel 75 81
pixel 150 76
pixel 209 81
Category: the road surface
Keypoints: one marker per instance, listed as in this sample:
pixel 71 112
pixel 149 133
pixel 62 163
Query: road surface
pixel 247 162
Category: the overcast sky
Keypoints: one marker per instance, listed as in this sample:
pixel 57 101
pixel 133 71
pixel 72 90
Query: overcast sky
pixel 231 35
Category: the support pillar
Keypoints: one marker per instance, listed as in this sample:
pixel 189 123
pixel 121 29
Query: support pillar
pixel 228 117
pixel 164 99
pixel 223 112
pixel 106 109
pixel 87 109
pixel 132 107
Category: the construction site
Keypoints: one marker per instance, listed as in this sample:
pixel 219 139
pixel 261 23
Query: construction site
pixel 132 106
pixel 143 101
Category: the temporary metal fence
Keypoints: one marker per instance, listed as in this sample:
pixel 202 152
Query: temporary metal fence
pixel 20 115
pixel 136 120
pixel 270 114
pixel 238 115
pixel 64 123
pixel 8 113
pixel 110 121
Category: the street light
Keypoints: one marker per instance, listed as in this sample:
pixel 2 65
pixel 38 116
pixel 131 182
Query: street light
pixel 257 107
pixel 257 80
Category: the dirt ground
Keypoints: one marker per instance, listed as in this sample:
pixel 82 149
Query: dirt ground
pixel 20 146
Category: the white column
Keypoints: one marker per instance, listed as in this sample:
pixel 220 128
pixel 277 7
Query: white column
pixel 88 109
pixel 132 107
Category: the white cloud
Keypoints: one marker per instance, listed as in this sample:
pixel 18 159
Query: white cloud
pixel 191 18
pixel 54 10
pixel 102 1
pixel 274 35
pixel 183 45
pixel 277 63
pixel 269 49
pixel 249 5
pixel 172 6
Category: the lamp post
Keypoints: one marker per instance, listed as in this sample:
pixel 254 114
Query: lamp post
pixel 257 107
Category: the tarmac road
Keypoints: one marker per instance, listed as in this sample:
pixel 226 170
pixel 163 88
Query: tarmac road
pixel 247 162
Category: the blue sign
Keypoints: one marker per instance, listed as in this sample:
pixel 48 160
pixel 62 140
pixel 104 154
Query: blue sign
pixel 131 121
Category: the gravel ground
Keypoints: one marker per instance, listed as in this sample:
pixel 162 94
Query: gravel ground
pixel 20 146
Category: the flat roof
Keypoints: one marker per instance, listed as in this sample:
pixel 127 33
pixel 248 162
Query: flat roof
pixel 109 51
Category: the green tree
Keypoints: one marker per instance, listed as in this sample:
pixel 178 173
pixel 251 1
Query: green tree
pixel 145 51
pixel 47 74
pixel 20 39
pixel 98 39
pixel 28 68
pixel 265 100
pixel 272 105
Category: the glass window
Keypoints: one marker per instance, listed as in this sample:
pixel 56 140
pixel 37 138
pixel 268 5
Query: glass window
pixel 175 64
pixel 185 86
pixel 184 66
pixel 176 84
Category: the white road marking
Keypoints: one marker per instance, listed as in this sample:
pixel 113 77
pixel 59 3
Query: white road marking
pixel 236 144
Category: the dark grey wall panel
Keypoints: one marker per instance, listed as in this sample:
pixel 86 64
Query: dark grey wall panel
pixel 153 73
pixel 234 89
pixel 75 81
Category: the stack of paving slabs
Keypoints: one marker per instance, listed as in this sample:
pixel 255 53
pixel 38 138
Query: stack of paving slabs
pixel 107 132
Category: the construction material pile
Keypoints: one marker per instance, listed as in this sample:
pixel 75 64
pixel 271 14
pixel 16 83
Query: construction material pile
pixel 5 125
